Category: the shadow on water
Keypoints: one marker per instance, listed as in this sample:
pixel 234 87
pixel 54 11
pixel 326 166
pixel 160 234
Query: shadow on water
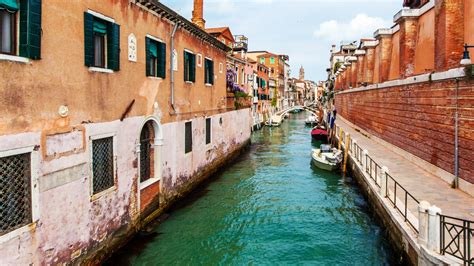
pixel 271 206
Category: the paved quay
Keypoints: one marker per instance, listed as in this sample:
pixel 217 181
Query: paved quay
pixel 422 184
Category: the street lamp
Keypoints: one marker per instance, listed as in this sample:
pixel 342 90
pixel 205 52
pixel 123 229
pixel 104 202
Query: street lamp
pixel 466 58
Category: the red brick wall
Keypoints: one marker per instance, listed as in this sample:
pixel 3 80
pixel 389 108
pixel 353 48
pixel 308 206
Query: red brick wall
pixel 419 119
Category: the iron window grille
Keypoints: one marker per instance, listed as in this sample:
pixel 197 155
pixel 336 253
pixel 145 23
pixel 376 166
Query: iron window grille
pixel 145 151
pixel 15 192
pixel 102 164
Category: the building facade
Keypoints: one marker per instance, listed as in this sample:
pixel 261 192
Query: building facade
pixel 104 123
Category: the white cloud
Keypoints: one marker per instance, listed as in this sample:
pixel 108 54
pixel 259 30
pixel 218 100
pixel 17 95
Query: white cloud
pixel 359 27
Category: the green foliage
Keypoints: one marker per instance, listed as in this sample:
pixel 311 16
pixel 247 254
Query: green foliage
pixel 469 70
pixel 240 94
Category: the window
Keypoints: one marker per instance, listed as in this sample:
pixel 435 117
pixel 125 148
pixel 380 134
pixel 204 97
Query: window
pixel 262 60
pixel 101 43
pixel 208 130
pixel 7 31
pixel 15 192
pixel 188 137
pixel 147 152
pixel 189 67
pixel 272 60
pixel 24 33
pixel 155 58
pixel 209 71
pixel 102 164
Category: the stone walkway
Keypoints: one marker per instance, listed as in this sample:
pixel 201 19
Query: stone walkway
pixel 417 181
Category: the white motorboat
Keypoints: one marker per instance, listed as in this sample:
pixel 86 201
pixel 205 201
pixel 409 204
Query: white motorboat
pixel 327 158
pixel 274 121
pixel 311 120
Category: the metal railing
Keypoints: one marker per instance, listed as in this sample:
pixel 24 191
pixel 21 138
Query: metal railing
pixel 373 169
pixel 457 238
pixel 404 200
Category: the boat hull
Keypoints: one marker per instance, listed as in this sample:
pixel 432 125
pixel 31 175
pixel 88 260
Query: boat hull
pixel 324 166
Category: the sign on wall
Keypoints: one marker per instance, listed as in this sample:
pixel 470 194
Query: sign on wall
pixel 175 60
pixel 132 48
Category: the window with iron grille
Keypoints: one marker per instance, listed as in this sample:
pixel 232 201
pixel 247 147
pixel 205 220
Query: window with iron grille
pixel 102 164
pixel 188 137
pixel 208 130
pixel 15 192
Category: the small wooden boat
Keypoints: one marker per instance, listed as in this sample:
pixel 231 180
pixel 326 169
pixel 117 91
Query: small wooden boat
pixel 319 132
pixel 327 158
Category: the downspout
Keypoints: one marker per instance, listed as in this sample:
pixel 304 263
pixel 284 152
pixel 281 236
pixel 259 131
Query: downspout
pixel 172 68
pixel 456 139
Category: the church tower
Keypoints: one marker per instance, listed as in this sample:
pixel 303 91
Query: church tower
pixel 301 73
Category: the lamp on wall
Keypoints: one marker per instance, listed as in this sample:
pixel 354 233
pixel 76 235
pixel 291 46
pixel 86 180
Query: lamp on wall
pixel 466 58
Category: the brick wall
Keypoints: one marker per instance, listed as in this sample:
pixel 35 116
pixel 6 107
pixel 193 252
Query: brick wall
pixel 418 118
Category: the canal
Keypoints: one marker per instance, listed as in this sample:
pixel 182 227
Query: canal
pixel 269 207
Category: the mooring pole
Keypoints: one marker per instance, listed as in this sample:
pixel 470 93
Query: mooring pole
pixel 346 152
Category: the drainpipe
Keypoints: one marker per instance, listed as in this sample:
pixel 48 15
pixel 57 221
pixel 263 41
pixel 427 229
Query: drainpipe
pixel 172 66
pixel 456 139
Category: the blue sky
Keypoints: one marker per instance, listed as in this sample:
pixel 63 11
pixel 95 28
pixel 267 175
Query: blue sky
pixel 302 29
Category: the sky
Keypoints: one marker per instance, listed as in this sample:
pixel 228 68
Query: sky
pixel 302 29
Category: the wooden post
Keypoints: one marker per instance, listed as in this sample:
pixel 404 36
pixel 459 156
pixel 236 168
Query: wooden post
pixel 340 138
pixel 346 152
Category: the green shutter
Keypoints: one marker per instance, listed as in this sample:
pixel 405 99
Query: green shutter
pixel 148 56
pixel 206 71
pixel 113 46
pixel 30 29
pixel 162 60
pixel 211 72
pixel 192 68
pixel 10 5
pixel 186 66
pixel 88 39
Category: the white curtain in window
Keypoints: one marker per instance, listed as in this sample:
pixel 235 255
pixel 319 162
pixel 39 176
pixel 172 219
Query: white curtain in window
pixel 6 24
pixel 98 50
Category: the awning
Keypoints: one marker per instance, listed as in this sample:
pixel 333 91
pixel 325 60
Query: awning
pixel 99 26
pixel 11 5
pixel 153 49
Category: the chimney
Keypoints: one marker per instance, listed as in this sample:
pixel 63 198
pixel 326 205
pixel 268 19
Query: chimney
pixel 198 14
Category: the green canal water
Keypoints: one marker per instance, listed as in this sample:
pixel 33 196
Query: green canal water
pixel 270 207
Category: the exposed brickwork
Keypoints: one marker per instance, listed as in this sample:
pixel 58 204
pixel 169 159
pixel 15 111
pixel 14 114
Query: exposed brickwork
pixel 419 119
pixel 449 32
pixel 385 52
pixel 408 34
pixel 370 57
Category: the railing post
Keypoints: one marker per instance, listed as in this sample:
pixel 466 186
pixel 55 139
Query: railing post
pixel 383 181
pixel 354 152
pixel 434 229
pixel 423 222
pixel 364 160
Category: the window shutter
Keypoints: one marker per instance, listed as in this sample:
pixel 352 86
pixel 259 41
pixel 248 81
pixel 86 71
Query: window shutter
pixel 186 66
pixel 148 56
pixel 211 72
pixel 88 39
pixel 30 29
pixel 162 60
pixel 113 46
pixel 192 68
pixel 206 71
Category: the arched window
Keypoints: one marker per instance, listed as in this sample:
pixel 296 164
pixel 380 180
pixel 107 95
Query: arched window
pixel 147 152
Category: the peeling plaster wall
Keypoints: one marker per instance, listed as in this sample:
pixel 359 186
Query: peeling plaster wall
pixel 71 223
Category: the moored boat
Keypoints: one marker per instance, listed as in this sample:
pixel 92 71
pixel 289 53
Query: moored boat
pixel 326 158
pixel 311 120
pixel 319 132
